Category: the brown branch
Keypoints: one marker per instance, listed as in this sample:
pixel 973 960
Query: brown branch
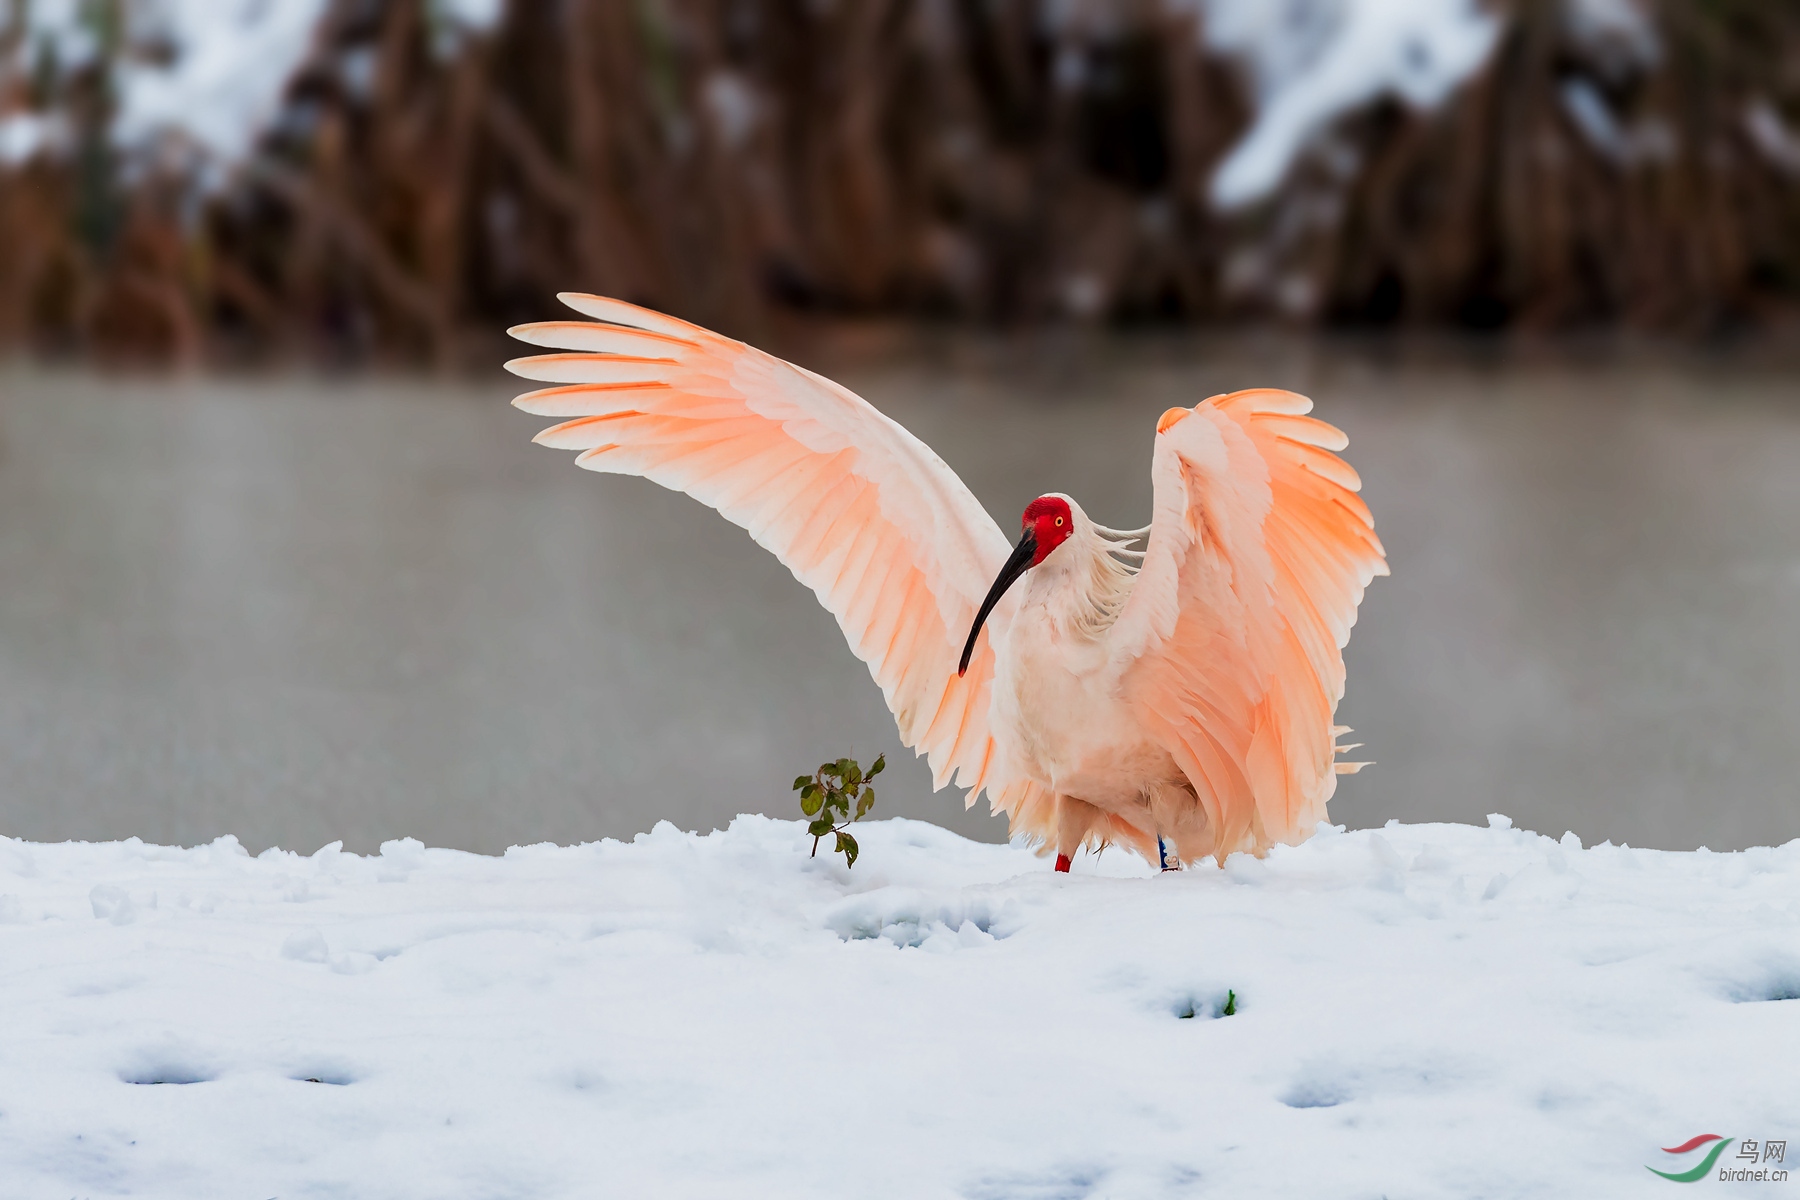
pixel 341 223
pixel 545 176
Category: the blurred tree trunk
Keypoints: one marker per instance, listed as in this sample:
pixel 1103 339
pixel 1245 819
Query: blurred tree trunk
pixel 1000 160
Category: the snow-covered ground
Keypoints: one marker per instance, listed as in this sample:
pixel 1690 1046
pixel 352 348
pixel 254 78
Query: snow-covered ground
pixel 1424 1010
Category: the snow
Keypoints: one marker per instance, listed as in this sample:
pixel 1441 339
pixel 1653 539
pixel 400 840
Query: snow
pixel 23 135
pixel 1648 141
pixel 1421 1010
pixel 1619 31
pixel 57 24
pixel 221 82
pixel 1619 43
pixel 1772 136
pixel 218 85
pixel 733 106
pixel 232 61
pixel 1312 61
pixel 476 15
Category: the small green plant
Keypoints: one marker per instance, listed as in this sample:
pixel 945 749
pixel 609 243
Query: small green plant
pixel 828 796
pixel 1230 1009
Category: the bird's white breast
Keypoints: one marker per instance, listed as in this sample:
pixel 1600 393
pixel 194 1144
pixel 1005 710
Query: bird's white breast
pixel 1057 711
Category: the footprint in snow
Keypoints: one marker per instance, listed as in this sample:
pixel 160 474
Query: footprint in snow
pixel 1055 1185
pixel 911 919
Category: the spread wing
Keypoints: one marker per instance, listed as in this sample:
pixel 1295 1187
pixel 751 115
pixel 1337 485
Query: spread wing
pixel 1234 632
pixel 860 510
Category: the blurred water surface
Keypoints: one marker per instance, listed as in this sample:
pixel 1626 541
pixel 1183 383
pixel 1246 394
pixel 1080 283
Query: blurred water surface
pixel 307 608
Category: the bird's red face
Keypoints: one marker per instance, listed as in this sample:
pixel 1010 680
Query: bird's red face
pixel 1047 524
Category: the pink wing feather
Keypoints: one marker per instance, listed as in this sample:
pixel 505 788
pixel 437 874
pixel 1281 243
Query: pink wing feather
pixel 1258 556
pixel 862 512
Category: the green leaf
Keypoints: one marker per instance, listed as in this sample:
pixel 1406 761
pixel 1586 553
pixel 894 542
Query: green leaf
pixel 1230 1003
pixel 832 794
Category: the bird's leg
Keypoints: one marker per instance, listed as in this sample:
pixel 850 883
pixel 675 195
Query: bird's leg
pixel 1176 816
pixel 1075 819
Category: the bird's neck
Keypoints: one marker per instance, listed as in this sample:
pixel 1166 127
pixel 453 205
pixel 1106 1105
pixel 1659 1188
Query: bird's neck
pixel 1081 587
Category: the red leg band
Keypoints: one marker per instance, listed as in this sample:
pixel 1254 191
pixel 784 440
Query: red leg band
pixel 1062 862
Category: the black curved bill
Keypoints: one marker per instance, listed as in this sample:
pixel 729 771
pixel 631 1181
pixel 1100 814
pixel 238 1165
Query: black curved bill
pixel 1015 566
